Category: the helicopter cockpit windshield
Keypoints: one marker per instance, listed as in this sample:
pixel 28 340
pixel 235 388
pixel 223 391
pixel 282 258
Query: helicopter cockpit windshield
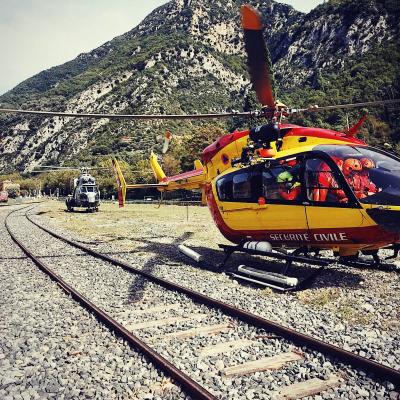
pixel 89 189
pixel 373 175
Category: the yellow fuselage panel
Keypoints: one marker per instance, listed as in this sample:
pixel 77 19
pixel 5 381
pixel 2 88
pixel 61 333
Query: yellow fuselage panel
pixel 247 216
pixel 337 217
pixel 293 143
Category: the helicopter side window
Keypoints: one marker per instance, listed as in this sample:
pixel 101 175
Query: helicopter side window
pixel 225 188
pixel 281 183
pixel 270 184
pixel 247 185
pixel 321 184
pixel 240 186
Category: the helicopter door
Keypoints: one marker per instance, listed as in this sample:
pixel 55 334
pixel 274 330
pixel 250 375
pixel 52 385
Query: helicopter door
pixel 332 209
pixel 283 216
pixel 264 201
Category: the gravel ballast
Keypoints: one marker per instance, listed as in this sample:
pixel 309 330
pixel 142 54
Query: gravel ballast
pixel 114 290
pixel 52 348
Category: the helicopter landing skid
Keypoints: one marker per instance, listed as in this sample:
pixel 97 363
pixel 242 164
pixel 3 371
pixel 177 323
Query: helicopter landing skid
pixel 376 263
pixel 396 251
pixel 277 281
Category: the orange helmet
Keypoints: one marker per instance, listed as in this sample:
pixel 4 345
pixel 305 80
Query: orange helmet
pixel 367 163
pixel 350 165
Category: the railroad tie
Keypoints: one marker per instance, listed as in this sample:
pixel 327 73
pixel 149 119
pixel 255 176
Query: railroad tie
pixel 310 387
pixel 263 364
pixel 164 322
pixel 226 347
pixel 204 330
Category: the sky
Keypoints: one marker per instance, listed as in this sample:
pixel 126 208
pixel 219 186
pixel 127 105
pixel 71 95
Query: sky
pixel 38 34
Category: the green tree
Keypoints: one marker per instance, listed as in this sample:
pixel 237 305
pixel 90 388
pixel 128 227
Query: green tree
pixel 192 145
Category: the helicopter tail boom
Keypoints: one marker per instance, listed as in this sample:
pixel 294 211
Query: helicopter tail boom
pixel 190 180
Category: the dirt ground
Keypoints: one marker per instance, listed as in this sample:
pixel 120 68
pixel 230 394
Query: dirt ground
pixel 192 224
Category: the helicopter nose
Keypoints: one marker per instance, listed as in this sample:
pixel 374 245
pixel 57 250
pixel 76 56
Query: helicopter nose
pixel 388 219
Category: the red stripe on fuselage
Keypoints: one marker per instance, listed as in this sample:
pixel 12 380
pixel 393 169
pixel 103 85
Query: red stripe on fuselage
pixel 185 175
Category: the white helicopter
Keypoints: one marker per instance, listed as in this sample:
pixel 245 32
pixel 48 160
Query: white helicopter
pixel 85 194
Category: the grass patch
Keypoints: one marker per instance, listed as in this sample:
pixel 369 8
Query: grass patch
pixel 353 315
pixel 319 298
pixel 267 292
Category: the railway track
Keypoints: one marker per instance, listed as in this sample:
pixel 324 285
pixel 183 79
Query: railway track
pixel 262 345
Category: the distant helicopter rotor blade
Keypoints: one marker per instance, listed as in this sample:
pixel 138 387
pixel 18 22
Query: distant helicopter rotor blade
pixel 257 55
pixel 128 116
pixel 344 106
pixel 56 167
pixel 44 171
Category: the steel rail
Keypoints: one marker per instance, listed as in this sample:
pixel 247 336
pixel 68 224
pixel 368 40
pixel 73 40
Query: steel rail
pixel 347 357
pixel 188 384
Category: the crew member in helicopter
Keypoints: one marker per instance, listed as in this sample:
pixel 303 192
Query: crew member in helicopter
pixel 289 187
pixel 368 188
pixel 352 168
pixel 325 181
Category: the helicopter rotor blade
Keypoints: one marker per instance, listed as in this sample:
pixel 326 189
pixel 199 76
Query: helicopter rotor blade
pixel 52 168
pixel 128 116
pixel 56 167
pixel 257 56
pixel 344 106
pixel 35 171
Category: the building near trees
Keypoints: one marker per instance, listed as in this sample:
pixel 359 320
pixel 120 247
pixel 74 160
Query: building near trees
pixel 13 189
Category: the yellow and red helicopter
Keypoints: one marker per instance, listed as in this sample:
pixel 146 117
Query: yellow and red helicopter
pixel 282 186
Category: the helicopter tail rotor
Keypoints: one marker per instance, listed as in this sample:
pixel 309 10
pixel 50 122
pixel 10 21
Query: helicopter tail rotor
pixel 258 56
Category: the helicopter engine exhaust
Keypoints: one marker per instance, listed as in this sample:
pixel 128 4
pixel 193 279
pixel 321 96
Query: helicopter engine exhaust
pixel 190 253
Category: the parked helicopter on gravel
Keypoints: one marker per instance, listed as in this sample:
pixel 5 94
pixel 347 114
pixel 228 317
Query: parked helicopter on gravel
pixel 85 192
pixel 286 186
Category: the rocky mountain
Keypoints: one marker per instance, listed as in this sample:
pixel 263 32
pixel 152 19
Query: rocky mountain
pixel 187 56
